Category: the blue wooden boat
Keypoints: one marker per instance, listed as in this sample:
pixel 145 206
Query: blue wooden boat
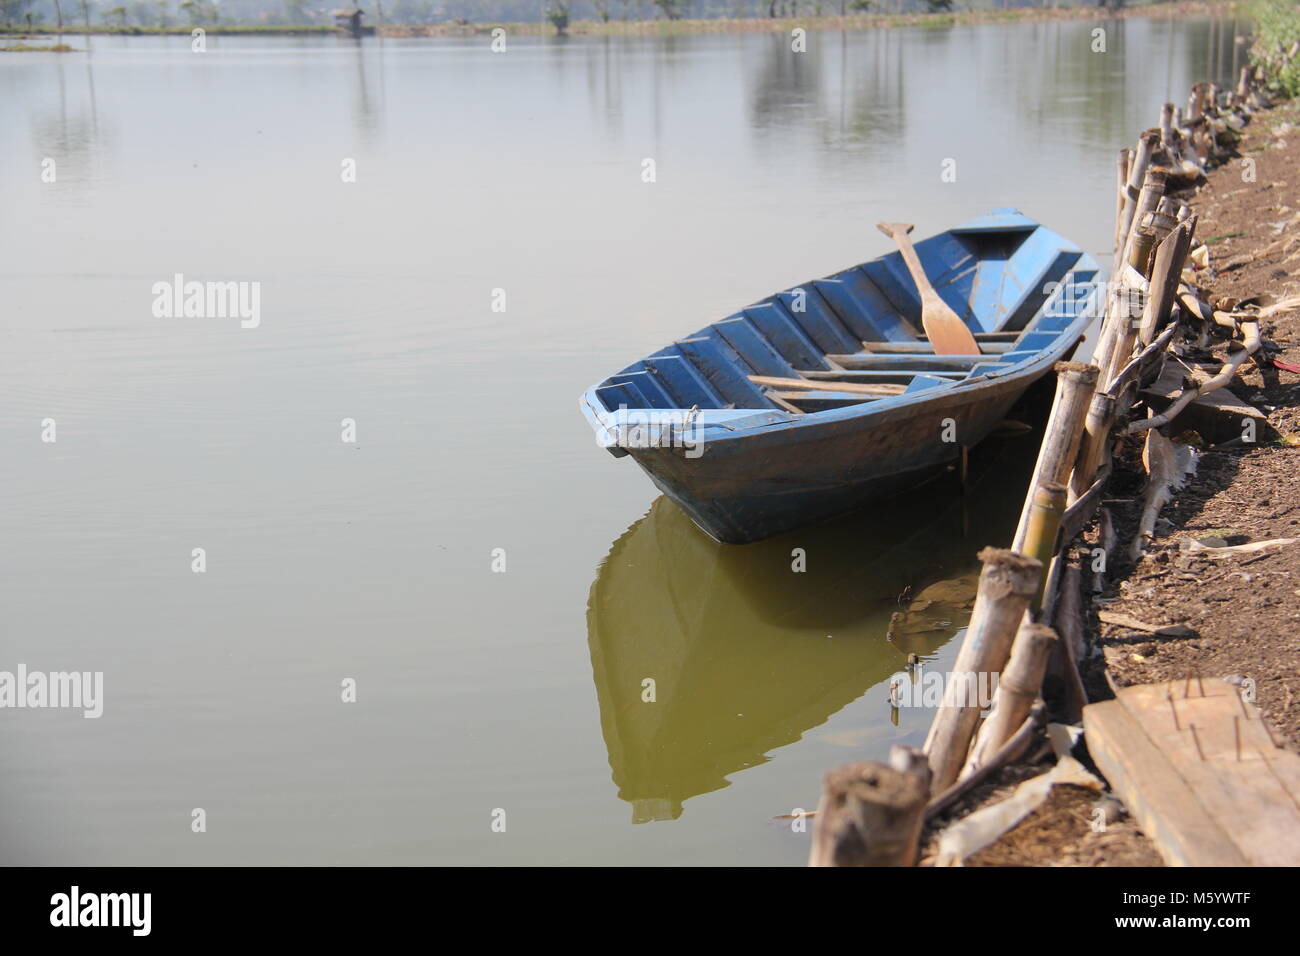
pixel 825 397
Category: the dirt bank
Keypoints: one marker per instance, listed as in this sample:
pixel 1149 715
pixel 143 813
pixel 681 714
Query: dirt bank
pixel 1235 615
pixel 1240 613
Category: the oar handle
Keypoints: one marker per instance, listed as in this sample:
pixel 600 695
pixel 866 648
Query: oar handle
pixel 898 232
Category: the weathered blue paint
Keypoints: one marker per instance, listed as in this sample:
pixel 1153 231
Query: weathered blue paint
pixel 745 467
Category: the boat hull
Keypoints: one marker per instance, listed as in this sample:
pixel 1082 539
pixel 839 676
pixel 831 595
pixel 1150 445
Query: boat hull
pixel 740 492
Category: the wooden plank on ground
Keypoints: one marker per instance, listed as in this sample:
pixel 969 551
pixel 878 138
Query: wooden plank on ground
pixel 1199 770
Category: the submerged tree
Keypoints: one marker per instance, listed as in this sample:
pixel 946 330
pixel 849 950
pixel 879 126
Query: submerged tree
pixel 558 15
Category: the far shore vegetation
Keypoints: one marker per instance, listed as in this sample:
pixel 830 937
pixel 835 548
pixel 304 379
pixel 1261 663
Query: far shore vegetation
pixel 1277 41
pixel 411 18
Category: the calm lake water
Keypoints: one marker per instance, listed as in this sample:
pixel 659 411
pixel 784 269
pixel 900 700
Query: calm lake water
pixel 476 691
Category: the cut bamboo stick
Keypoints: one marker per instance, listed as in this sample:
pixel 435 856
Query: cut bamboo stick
pixel 1243 84
pixel 1147 142
pixel 1047 505
pixel 1006 585
pixel 1071 648
pixel 1123 297
pixel 1018 688
pixel 1010 751
pixel 870 814
pixel 1075 383
pixel 1165 273
pixel 1153 188
pixel 1092 446
pixel 1195 101
pixel 1123 163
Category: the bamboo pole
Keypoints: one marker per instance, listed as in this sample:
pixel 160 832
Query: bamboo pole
pixel 1044 520
pixel 1137 367
pixel 1116 343
pixel 1142 242
pixel 1195 99
pixel 1010 751
pixel 1137 175
pixel 1153 187
pixel 1166 271
pixel 1243 85
pixel 1123 162
pixel 1006 585
pixel 1092 446
pixel 1167 126
pixel 870 814
pixel 1124 291
pixel 1071 648
pixel 1075 383
pixel 1017 690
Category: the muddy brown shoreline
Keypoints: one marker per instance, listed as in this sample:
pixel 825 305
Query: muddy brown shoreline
pixel 1177 614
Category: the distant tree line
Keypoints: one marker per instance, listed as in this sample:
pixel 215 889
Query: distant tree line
pixel 169 13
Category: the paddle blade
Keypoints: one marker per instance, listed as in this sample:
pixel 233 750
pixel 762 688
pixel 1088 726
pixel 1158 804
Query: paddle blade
pixel 945 328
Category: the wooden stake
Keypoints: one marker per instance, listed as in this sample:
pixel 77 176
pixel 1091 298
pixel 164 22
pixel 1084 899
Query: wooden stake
pixel 1165 273
pixel 1006 585
pixel 1123 162
pixel 1153 187
pixel 1137 175
pixel 1092 446
pixel 1046 507
pixel 1195 100
pixel 1017 690
pixel 1071 648
pixel 1167 126
pixel 1243 84
pixel 870 814
pixel 1142 242
pixel 1010 751
pixel 1122 297
pixel 1075 383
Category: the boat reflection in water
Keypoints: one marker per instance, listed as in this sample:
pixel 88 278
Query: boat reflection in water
pixel 746 654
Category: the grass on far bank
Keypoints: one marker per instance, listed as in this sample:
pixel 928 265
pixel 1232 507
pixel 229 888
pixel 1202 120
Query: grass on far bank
pixel 29 48
pixel 101 29
pixel 1277 32
pixel 661 27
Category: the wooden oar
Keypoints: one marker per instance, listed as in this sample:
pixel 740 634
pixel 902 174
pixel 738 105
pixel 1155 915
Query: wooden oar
pixel 942 325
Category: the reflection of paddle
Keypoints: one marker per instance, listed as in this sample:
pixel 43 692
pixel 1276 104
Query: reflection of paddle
pixel 947 332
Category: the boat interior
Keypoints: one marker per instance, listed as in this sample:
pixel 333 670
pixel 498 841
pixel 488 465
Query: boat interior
pixel 856 336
